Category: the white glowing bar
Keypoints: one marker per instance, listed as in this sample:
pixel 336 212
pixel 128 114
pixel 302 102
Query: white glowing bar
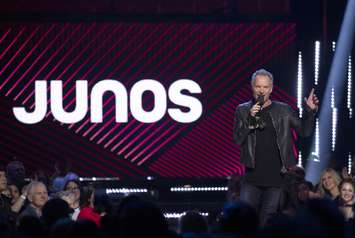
pixel 178 215
pixel 316 62
pixel 300 159
pixel 350 162
pixel 333 45
pixel 125 190
pixel 349 96
pixel 334 119
pixel 198 189
pixel 316 146
pixel 334 127
pixel 90 179
pixel 299 83
pixel 332 99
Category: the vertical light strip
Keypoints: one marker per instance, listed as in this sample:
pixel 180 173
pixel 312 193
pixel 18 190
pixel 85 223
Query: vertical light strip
pixel 334 119
pixel 299 83
pixel 300 159
pixel 349 89
pixel 333 45
pixel 350 163
pixel 316 147
pixel 316 62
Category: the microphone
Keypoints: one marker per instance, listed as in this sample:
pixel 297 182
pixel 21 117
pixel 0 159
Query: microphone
pixel 260 100
pixel 259 121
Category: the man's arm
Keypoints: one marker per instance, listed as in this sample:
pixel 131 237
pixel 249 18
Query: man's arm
pixel 241 127
pixel 305 125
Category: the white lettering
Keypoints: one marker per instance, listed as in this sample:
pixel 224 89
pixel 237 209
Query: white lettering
pixel 178 98
pixel 158 111
pixel 40 109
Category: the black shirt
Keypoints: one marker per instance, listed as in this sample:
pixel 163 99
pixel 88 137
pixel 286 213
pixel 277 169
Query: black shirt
pixel 268 164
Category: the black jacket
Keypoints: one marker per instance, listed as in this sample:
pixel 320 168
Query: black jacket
pixel 283 119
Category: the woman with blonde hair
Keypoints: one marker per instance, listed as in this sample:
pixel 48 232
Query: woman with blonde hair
pixel 329 184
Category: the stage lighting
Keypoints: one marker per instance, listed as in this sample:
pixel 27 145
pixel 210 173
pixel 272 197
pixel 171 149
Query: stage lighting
pixel 299 164
pixel 125 190
pixel 178 215
pixel 334 119
pixel 333 45
pixel 198 189
pixel 349 106
pixel 316 62
pixel 316 143
pixel 350 163
pixel 299 83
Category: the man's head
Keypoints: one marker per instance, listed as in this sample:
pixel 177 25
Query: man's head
pixel 3 180
pixel 37 194
pixel 262 84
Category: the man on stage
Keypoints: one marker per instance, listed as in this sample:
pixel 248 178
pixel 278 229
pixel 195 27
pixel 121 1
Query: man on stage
pixel 262 129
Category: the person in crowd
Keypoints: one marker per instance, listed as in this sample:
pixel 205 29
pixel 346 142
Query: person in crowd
pixel 37 197
pixel 238 219
pixel 346 201
pixel 329 184
pixel 5 201
pixel 139 218
pixel 193 225
pixel 87 211
pixel 303 191
pixel 8 208
pixel 73 186
pixel 54 210
pixel 14 192
pixel 16 173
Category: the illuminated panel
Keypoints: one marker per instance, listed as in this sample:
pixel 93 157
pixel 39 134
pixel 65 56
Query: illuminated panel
pixel 219 57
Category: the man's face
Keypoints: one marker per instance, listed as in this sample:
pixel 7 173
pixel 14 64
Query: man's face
pixel 3 181
pixel 262 86
pixel 39 196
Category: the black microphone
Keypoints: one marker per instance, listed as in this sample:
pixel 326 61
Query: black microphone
pixel 256 121
pixel 260 101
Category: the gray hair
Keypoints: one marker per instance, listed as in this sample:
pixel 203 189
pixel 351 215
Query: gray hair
pixel 261 72
pixel 32 186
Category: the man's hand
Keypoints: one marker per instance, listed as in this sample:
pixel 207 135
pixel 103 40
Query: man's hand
pixel 312 101
pixel 255 109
